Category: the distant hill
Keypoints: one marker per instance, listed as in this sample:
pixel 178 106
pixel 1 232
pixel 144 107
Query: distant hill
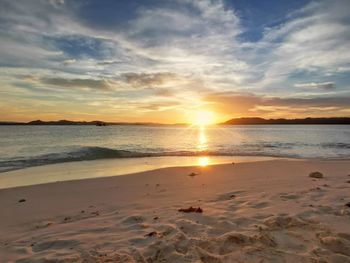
pixel 61 122
pixel 260 121
pixel 10 123
pixel 67 122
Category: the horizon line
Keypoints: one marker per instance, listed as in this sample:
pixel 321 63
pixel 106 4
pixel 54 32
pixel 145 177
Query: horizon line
pixel 258 120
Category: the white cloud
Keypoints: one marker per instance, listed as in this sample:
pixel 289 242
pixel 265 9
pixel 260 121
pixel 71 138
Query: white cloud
pixel 316 39
pixel 316 85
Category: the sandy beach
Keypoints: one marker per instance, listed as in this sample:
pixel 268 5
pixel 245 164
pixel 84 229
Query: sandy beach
pixel 266 211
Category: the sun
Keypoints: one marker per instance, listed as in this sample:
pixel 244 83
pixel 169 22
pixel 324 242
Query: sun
pixel 203 118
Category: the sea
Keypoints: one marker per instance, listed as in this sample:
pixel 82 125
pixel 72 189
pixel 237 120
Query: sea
pixel 23 146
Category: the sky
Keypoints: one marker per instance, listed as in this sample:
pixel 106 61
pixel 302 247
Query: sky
pixel 166 60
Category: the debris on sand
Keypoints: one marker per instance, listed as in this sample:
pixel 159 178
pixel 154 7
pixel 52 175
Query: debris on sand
pixel 151 234
pixel 316 175
pixel 347 204
pixel 193 174
pixel 21 200
pixel 191 210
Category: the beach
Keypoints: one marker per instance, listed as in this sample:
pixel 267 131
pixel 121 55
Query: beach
pixel 262 211
pixel 208 131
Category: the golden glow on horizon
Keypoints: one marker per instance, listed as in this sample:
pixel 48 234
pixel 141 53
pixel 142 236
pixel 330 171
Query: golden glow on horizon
pixel 203 118
pixel 203 161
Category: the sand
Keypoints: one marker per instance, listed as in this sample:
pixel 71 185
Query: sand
pixel 267 211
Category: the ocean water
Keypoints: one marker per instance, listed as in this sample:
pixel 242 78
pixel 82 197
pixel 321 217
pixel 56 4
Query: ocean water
pixel 26 146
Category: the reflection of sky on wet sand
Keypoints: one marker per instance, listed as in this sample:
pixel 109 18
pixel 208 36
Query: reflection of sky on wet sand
pixel 107 167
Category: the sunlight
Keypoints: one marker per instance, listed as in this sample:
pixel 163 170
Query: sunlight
pixel 203 118
pixel 203 161
pixel 202 140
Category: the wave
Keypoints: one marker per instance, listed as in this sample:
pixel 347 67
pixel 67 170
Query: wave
pixel 336 145
pixel 274 149
pixel 96 153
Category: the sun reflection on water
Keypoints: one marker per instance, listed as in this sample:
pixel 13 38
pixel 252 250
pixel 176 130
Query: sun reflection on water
pixel 202 140
pixel 203 161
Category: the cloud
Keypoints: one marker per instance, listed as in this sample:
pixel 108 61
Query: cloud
pixel 316 85
pixel 201 38
pixel 100 84
pixel 314 40
pixel 149 79
pixel 69 61
pixel 164 92
pixel 159 106
pixel 108 62
pixel 272 106
pixel 57 3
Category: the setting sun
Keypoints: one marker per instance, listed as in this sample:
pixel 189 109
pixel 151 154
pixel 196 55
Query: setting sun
pixel 203 118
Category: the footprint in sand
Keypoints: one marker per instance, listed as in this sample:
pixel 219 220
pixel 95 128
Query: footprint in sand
pixel 61 244
pixel 289 196
pixel 135 219
pixel 284 221
pixel 336 244
pixel 260 205
pixel 44 224
pixel 229 195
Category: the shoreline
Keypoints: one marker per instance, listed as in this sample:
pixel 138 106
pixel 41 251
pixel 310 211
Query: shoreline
pixel 80 170
pixel 90 169
pixel 263 211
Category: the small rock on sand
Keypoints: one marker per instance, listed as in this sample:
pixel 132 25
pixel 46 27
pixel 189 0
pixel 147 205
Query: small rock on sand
pixel 347 204
pixel 151 234
pixel 21 200
pixel 193 174
pixel 316 175
pixel 191 210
